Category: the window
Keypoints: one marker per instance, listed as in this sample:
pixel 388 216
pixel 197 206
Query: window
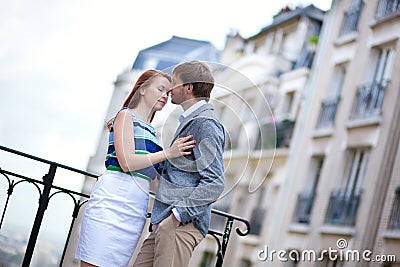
pixel 229 118
pixel 305 59
pixel 344 202
pixel 356 172
pixel 207 259
pixel 288 103
pixel 249 48
pixel 305 199
pixel 382 59
pixel 394 221
pixel 231 140
pixel 268 43
pixel 275 135
pixel 351 17
pixel 289 45
pixel 253 112
pixel 369 97
pixel 245 263
pixel 258 213
pixel 329 106
pixel 337 82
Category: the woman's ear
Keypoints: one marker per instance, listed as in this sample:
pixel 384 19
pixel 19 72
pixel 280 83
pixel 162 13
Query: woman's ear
pixel 141 91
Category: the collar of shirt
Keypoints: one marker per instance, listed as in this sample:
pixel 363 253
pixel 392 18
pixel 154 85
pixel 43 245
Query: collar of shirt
pixel 191 110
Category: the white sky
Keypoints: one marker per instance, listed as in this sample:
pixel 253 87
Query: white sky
pixel 59 59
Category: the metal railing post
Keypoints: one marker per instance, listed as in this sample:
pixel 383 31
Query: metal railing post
pixel 43 203
pixel 225 240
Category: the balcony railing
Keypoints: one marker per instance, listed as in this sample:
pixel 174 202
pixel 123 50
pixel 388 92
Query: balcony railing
pixel 387 8
pixel 394 221
pixel 275 135
pixel 305 60
pixel 342 209
pixel 47 190
pixel 350 20
pixel 328 113
pixel 369 99
pixel 303 209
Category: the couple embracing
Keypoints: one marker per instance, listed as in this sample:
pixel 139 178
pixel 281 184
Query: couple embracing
pixel 189 175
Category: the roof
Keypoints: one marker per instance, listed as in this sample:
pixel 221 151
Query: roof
pixel 175 51
pixel 309 11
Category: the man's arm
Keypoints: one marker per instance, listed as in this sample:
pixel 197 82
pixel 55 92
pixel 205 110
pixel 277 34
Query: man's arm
pixel 210 137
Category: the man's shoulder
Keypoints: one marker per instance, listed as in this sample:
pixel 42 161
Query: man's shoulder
pixel 206 119
pixel 208 113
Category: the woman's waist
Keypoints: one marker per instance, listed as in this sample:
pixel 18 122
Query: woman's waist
pixel 147 174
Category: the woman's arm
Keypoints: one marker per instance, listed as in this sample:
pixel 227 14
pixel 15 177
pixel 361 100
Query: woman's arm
pixel 125 146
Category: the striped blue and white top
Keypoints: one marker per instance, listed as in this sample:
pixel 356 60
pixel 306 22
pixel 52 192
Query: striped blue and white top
pixel 145 142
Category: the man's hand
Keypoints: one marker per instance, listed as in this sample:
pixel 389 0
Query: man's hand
pixel 175 221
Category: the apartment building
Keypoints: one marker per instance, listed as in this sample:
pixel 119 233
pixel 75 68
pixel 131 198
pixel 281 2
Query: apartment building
pixel 343 181
pixel 312 159
pixel 258 96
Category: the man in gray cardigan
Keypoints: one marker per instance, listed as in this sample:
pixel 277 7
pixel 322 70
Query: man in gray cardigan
pixel 188 185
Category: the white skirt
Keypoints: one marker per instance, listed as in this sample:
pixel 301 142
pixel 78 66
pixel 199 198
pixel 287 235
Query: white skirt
pixel 113 220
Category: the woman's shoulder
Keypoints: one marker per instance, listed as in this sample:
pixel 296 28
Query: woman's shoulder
pixel 123 111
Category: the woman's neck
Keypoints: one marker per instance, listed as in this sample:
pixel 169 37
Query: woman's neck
pixel 143 113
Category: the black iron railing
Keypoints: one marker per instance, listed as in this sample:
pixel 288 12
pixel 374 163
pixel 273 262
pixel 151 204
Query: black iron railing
pixel 369 100
pixel 303 209
pixel 342 209
pixel 328 113
pixel 387 8
pixel 394 221
pixel 304 60
pixel 47 190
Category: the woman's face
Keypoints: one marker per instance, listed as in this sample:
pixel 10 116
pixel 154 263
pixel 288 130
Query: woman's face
pixel 156 94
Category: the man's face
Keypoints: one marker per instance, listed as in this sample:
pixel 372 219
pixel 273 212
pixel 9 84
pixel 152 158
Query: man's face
pixel 177 91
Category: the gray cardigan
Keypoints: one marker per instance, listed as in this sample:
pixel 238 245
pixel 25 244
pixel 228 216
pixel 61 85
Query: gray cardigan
pixel 192 183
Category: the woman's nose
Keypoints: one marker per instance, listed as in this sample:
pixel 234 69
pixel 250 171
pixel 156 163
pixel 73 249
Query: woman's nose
pixel 165 95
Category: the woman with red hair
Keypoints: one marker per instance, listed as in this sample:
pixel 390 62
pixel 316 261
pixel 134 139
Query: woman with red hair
pixel 115 214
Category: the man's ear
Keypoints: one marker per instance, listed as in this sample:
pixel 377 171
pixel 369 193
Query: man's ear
pixel 189 88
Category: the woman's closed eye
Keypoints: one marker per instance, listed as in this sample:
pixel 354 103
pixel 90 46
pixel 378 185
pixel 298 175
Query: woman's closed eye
pixel 164 90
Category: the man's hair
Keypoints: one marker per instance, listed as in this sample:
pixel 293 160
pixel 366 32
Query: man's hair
pixel 198 74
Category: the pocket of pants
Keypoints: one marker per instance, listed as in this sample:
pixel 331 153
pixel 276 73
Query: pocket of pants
pixel 171 221
pixel 166 224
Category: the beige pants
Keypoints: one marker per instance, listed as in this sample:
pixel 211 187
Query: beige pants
pixel 168 246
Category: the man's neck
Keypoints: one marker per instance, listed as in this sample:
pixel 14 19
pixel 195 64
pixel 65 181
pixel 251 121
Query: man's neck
pixel 188 103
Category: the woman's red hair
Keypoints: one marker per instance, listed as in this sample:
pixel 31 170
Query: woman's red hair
pixel 133 99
